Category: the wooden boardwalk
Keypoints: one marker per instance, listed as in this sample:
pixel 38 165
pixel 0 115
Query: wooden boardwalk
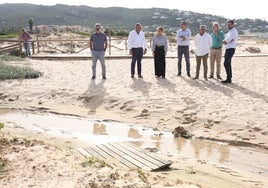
pixel 125 155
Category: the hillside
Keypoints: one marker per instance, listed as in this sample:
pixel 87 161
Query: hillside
pixel 115 17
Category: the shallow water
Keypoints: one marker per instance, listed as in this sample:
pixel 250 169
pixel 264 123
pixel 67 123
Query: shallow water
pixel 97 132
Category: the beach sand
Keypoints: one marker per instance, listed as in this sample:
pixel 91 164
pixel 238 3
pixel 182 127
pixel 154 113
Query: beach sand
pixel 236 113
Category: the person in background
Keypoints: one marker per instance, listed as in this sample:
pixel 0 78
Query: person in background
pixel 216 50
pixel 25 39
pixel 159 48
pixel 203 43
pixel 98 45
pixel 230 42
pixel 183 40
pixel 137 48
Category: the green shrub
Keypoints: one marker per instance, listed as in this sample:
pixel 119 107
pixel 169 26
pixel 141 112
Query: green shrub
pixel 10 58
pixel 1 126
pixel 14 72
pixel 7 34
pixel 15 52
pixel 81 33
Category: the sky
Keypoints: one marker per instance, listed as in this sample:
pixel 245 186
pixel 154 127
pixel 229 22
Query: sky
pixel 231 9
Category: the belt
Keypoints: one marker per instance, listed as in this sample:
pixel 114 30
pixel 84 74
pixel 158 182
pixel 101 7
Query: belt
pixel 217 48
pixel 183 46
pixel 138 47
pixel 160 46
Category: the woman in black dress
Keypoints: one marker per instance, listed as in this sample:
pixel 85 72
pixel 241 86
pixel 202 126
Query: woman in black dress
pixel 159 48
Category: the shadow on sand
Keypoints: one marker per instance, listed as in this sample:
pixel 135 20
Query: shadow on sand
pixel 93 97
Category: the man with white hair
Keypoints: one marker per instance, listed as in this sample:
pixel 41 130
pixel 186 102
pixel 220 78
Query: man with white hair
pixel 202 43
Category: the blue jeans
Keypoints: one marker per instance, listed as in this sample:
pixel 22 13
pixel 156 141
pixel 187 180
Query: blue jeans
pixel 27 48
pixel 137 54
pixel 183 50
pixel 228 62
pixel 98 55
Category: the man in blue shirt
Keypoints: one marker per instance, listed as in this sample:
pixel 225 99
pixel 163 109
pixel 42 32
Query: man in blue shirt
pixel 230 42
pixel 98 45
pixel 183 40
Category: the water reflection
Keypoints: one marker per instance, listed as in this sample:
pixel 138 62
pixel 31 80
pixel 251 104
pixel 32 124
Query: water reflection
pixel 133 133
pixel 224 150
pixel 157 138
pixel 180 142
pixel 201 149
pixel 95 132
pixel 99 129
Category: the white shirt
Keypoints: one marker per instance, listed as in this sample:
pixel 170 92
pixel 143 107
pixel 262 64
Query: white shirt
pixel 202 44
pixel 187 34
pixel 231 38
pixel 136 40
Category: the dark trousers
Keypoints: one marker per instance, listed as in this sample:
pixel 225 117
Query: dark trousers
pixel 183 50
pixel 228 62
pixel 137 54
pixel 159 61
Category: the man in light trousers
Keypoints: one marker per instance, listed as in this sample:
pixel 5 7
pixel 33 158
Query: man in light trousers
pixel 216 50
pixel 98 45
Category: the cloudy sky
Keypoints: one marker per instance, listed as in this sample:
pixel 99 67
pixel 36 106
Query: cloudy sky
pixel 227 8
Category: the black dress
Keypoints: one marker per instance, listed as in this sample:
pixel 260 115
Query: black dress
pixel 160 61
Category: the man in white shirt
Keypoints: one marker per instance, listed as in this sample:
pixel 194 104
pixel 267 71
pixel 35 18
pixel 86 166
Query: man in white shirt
pixel 203 43
pixel 230 42
pixel 183 40
pixel 137 48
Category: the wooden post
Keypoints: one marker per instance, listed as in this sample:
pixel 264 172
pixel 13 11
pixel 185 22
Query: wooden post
pixel 33 51
pixel 110 41
pixel 72 48
pixel 20 39
pixel 126 44
pixel 37 40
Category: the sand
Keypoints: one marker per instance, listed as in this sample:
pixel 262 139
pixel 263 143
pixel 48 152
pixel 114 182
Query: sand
pixel 235 113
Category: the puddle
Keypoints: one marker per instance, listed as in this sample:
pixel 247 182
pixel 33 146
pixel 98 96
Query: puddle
pixel 97 132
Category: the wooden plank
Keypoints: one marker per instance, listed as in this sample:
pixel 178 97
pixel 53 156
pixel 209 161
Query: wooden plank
pixel 84 152
pixel 126 155
pixel 130 157
pixel 140 153
pixel 137 156
pixel 95 152
pixel 122 159
pixel 156 157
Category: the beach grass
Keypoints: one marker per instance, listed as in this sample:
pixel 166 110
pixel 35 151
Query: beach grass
pixel 8 72
pixel 10 58
pixel 8 35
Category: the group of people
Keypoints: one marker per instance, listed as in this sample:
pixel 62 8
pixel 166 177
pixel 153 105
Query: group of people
pixel 206 44
pixel 212 44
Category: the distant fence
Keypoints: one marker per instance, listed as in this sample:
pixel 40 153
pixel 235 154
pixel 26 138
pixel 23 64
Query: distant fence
pixel 56 45
pixel 13 45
